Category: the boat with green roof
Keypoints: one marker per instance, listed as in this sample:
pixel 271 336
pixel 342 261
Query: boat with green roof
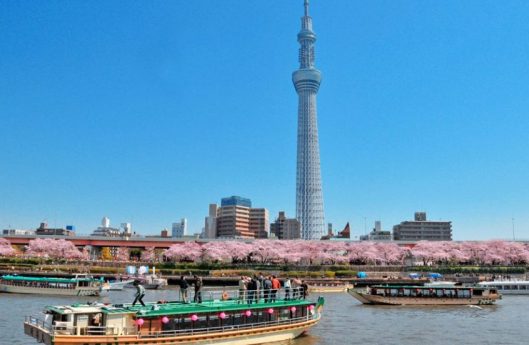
pixel 221 319
pixel 80 285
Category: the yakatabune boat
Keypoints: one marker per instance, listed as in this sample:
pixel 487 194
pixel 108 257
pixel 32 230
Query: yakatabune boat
pixel 425 295
pixel 80 285
pixel 218 321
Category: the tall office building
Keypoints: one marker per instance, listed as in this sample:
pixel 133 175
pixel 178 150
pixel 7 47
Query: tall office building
pixel 309 194
pixel 235 218
pixel 179 230
pixel 234 222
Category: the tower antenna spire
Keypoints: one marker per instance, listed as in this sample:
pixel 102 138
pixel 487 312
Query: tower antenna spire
pixel 306 4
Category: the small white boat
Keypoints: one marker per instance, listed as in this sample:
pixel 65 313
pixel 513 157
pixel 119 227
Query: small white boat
pixel 508 287
pixel 115 285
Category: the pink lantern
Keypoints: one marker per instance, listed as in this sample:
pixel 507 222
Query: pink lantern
pixel 311 307
pixel 270 311
pixel 248 313
pixel 194 317
pixel 165 319
pixel 293 309
pixel 222 315
pixel 140 322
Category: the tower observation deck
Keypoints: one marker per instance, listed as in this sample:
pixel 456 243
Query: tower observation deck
pixel 309 194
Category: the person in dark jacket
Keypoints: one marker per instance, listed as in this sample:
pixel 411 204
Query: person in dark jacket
pixel 198 289
pixel 183 289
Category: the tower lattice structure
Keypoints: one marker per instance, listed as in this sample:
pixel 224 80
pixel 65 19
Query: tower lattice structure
pixel 309 194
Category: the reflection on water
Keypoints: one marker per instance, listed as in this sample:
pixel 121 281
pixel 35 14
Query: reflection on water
pixel 345 321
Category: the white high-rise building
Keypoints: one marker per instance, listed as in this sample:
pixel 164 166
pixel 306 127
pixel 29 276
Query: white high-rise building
pixel 210 225
pixel 179 230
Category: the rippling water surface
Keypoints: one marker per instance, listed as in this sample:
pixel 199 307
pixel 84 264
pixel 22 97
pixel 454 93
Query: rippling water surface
pixel 345 321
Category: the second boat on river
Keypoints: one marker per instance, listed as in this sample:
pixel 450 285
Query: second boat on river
pixel 425 295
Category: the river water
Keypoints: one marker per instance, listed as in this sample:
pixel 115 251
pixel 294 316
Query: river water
pixel 345 321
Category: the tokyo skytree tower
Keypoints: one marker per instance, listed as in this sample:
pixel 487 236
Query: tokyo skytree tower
pixel 309 195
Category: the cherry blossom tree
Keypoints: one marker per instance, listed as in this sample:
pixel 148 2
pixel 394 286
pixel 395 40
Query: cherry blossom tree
pixel 51 248
pixel 122 254
pixel 187 251
pixel 148 254
pixel 5 248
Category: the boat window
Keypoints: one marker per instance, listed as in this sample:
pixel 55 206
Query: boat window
pixel 523 287
pixel 506 287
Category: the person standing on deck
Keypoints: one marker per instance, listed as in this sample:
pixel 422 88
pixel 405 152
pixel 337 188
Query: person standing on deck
pixel 198 289
pixel 267 287
pixel 242 289
pixel 183 289
pixel 261 279
pixel 296 286
pixel 304 289
pixel 276 285
pixel 287 286
pixel 140 292
pixel 252 287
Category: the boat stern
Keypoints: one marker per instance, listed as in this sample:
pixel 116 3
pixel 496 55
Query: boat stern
pixel 37 329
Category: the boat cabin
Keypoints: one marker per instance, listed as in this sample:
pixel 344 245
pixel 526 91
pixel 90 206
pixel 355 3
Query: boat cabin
pixel 431 291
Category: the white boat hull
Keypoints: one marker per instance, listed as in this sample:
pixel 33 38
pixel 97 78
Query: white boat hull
pixel 49 291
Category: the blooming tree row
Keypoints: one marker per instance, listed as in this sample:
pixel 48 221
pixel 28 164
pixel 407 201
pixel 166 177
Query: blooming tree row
pixel 302 252
pixel 357 253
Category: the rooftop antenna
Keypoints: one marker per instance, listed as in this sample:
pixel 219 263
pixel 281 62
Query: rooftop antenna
pixel 513 238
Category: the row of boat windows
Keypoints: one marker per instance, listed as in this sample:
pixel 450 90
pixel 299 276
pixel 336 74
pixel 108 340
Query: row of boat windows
pixel 38 284
pixel 451 293
pixel 510 287
pixel 213 320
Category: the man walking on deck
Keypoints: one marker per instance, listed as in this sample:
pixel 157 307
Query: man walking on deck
pixel 140 292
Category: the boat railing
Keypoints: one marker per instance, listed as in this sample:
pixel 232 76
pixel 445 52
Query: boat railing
pixel 266 295
pixel 34 321
pixel 228 328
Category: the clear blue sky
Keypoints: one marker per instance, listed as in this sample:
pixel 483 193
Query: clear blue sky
pixel 148 111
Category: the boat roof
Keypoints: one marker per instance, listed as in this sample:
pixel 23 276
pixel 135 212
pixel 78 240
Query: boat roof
pixel 505 282
pixel 440 287
pixel 47 279
pixel 173 308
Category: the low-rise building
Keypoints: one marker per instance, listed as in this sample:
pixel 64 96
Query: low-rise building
pixel 285 228
pixel 422 229
pixel 43 230
pixel 377 234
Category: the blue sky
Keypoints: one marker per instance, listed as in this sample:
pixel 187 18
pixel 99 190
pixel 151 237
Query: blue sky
pixel 148 111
